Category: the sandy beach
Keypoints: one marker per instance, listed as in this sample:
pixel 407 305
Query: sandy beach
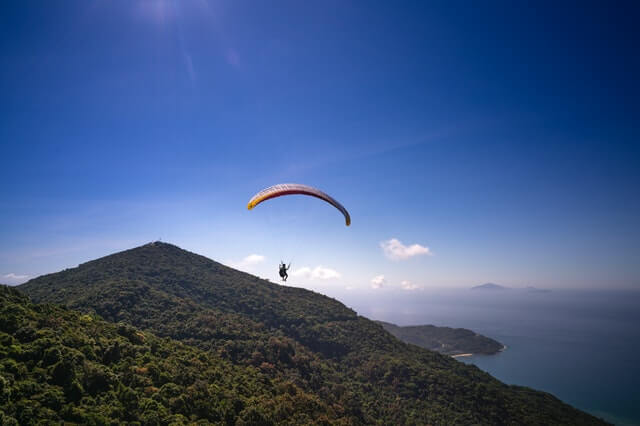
pixel 461 355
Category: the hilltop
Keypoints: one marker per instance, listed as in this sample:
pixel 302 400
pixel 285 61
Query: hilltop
pixel 446 340
pixel 294 335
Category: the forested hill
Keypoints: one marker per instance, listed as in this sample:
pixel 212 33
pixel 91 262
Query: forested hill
pixel 296 336
pixel 61 366
pixel 446 340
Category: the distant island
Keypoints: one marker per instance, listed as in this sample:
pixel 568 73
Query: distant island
pixel 498 287
pixel 446 340
pixel 489 286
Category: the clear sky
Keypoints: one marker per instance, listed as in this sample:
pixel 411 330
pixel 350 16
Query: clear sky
pixel 497 143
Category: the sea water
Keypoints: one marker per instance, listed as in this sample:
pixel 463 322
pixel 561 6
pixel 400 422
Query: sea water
pixel 581 346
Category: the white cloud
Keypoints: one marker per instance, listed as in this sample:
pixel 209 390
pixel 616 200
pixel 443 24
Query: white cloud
pixel 253 259
pixel 407 285
pixel 249 261
pixel 319 272
pixel 378 281
pixel 15 278
pixel 395 250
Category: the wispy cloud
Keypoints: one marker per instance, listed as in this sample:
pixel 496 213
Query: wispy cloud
pixel 395 250
pixel 358 151
pixel 12 278
pixel 158 12
pixel 188 62
pixel 253 259
pixel 319 272
pixel 249 261
pixel 378 281
pixel 232 57
pixel 408 285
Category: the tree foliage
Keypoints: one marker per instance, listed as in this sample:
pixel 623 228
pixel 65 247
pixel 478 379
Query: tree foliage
pixel 59 365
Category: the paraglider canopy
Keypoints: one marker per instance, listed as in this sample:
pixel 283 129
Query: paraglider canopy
pixel 296 188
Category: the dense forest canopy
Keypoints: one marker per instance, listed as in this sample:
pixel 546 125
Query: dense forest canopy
pixel 62 365
pixel 355 371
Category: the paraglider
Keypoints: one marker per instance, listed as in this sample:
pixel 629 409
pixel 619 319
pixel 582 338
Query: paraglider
pixel 296 188
pixel 283 271
pixel 292 189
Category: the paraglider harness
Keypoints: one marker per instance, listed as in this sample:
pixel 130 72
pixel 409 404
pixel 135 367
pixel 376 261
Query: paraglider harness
pixel 283 271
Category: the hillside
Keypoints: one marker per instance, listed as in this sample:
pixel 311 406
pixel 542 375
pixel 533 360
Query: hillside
pixel 294 335
pixel 446 340
pixel 58 365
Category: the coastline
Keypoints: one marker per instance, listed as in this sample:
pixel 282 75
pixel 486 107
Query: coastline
pixel 504 347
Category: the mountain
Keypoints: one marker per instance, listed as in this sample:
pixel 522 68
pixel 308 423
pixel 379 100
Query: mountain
pixel 296 336
pixel 489 286
pixel 446 340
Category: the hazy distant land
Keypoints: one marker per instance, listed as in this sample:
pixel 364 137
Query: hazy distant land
pixel 498 287
pixel 489 286
pixel 446 340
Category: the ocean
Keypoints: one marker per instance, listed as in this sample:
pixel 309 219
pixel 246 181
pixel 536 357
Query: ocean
pixel 581 346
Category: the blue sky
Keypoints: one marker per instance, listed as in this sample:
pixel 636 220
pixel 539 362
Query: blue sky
pixel 503 138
